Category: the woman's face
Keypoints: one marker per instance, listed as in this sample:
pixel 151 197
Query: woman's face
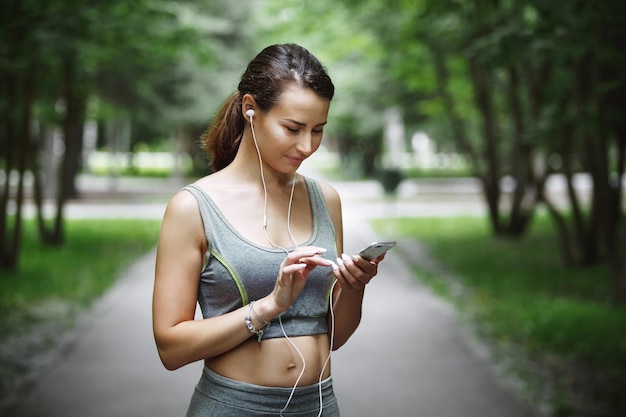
pixel 292 130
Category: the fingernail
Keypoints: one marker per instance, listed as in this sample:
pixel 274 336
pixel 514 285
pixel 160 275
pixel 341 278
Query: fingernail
pixel 334 265
pixel 345 257
pixel 339 261
pixel 321 250
pixel 355 258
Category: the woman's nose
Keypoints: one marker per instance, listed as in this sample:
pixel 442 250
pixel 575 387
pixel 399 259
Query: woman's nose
pixel 305 144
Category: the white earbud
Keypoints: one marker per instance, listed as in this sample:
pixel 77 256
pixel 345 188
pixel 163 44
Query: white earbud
pixel 250 113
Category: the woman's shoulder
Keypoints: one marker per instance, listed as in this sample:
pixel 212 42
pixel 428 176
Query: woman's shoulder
pixel 183 203
pixel 205 185
pixel 328 191
pixel 214 189
pixel 186 199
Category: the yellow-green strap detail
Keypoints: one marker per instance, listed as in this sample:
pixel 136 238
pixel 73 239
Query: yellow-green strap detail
pixel 235 277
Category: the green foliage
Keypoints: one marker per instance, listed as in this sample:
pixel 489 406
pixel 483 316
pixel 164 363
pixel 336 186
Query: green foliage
pixel 151 60
pixel 463 171
pixel 520 289
pixel 142 69
pixel 532 309
pixel 82 269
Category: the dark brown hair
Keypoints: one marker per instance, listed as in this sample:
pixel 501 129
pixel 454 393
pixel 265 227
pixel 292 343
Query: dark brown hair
pixel 264 79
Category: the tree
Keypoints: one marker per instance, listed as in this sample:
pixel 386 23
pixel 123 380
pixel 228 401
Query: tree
pixel 518 85
pixel 588 82
pixel 17 85
pixel 546 83
pixel 58 59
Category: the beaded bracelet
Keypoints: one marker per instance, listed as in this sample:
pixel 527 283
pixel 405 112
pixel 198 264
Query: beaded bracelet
pixel 250 325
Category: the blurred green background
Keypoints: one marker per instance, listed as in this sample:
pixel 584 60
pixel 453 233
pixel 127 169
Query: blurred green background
pixel 525 97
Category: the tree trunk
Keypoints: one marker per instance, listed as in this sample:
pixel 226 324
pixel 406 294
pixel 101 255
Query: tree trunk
pixel 18 131
pixel 25 153
pixel 73 122
pixel 10 108
pixel 616 238
pixel 16 97
pixel 567 252
pixel 73 125
pixel 616 231
pixel 481 80
pixel 523 202
pixel 39 173
pixel 8 122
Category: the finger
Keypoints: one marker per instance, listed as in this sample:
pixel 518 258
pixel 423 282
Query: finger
pixel 348 282
pixel 309 251
pixel 370 267
pixel 345 279
pixel 315 260
pixel 362 270
pixel 351 273
pixel 303 253
pixel 293 268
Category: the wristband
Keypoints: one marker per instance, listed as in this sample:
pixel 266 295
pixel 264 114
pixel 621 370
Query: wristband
pixel 250 325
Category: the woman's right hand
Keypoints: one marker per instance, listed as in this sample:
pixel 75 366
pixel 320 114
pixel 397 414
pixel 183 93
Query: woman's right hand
pixel 292 277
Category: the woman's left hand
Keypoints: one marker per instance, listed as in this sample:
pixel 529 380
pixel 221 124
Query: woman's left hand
pixel 354 272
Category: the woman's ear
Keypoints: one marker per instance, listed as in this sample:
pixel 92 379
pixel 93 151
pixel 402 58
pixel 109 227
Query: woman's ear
pixel 247 103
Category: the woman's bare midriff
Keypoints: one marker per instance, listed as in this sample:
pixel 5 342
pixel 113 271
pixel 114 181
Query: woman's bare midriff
pixel 275 362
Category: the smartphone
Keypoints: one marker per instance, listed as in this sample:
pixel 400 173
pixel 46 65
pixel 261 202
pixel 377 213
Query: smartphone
pixel 374 250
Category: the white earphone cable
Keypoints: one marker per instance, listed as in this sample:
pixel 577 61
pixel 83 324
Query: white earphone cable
pixel 295 245
pixel 293 186
pixel 330 350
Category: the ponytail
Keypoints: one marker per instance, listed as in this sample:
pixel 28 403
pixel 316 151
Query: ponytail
pixel 222 138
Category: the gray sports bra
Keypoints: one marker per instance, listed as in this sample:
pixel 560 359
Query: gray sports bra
pixel 237 271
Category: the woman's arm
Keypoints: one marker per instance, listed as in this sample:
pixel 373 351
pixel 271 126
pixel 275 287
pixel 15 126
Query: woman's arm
pixel 179 338
pixel 352 276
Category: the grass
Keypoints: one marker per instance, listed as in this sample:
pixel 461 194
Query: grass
pixel 519 293
pixel 40 302
pixel 79 271
pixel 429 173
pixel 134 172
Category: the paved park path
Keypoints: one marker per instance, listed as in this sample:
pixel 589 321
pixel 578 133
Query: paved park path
pixel 409 358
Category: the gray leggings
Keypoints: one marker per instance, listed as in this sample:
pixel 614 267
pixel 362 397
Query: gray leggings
pixel 216 395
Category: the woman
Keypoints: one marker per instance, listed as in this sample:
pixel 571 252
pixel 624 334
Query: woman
pixel 256 245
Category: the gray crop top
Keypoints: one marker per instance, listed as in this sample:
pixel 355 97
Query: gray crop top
pixel 237 271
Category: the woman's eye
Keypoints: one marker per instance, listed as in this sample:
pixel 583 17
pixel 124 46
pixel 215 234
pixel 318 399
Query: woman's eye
pixel 297 130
